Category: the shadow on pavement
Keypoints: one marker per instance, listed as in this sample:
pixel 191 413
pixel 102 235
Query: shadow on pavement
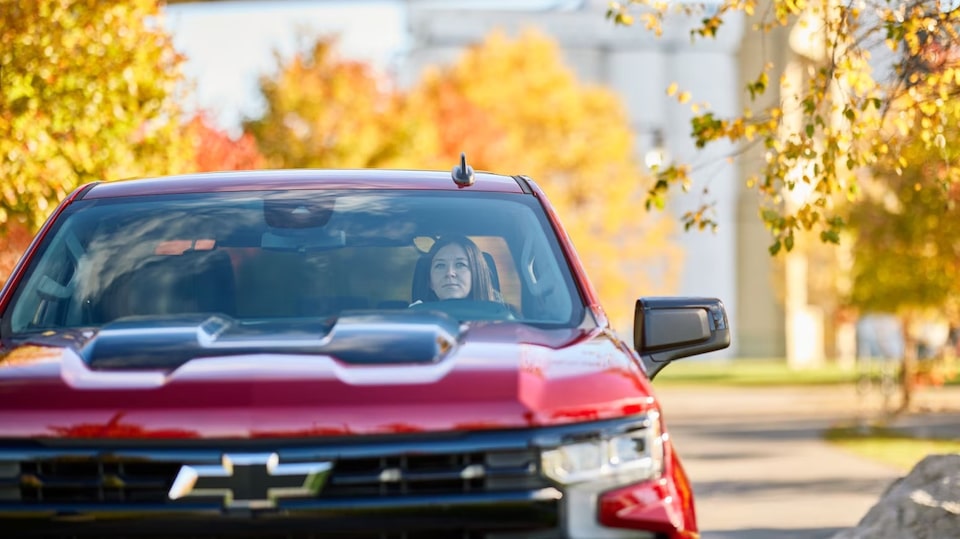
pixel 772 487
pixel 770 533
pixel 781 429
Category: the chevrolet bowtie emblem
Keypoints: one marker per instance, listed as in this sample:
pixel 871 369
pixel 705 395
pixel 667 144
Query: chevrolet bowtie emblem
pixel 250 480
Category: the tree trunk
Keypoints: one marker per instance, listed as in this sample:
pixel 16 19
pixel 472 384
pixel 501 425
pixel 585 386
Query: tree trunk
pixel 908 370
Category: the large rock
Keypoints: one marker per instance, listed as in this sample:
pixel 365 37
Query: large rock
pixel 923 505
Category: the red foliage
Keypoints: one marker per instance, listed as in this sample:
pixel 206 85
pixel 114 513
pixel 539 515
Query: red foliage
pixel 13 242
pixel 467 127
pixel 216 150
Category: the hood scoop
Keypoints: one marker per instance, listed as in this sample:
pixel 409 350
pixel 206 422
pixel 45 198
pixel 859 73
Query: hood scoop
pixel 356 337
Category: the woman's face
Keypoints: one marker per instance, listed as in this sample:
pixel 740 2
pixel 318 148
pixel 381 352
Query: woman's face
pixel 450 276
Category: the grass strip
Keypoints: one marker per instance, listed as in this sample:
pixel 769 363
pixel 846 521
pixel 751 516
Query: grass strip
pixel 751 373
pixel 888 446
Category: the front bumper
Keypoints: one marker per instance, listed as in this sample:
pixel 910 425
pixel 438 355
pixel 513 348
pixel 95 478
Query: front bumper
pixel 476 515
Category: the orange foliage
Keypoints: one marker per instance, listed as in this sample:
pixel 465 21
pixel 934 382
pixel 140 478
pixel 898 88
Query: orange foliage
pixel 216 150
pixel 324 111
pixel 13 243
pixel 464 126
pixel 513 107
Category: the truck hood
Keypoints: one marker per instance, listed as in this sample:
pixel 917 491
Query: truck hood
pixel 211 377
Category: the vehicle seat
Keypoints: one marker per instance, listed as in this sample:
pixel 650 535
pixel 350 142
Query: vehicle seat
pixel 192 282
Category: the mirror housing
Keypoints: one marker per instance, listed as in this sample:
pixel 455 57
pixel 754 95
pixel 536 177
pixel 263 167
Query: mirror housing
pixel 669 328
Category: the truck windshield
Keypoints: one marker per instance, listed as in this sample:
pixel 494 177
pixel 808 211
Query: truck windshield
pixel 264 255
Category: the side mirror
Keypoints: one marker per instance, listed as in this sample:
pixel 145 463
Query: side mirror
pixel 665 329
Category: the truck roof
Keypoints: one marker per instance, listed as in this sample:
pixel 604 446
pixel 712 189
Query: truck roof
pixel 255 180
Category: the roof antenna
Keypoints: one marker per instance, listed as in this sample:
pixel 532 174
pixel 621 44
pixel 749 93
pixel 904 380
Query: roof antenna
pixel 463 174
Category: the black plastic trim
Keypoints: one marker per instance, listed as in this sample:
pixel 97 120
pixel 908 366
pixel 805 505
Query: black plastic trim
pixel 86 189
pixel 524 183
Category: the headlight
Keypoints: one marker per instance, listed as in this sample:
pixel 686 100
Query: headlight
pixel 632 456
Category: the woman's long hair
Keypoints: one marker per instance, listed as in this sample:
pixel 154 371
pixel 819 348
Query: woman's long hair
pixel 481 284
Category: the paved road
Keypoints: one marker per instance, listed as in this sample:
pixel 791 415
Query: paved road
pixel 759 467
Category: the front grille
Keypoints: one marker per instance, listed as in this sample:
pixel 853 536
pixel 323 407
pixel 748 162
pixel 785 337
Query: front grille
pixel 92 480
pixel 434 474
pixel 116 479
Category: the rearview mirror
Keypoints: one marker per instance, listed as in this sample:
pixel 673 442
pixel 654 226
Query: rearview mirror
pixel 303 239
pixel 665 329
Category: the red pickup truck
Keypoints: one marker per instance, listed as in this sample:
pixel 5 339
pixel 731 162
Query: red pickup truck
pixel 342 353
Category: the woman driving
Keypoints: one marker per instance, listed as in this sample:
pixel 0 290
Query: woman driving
pixel 457 270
